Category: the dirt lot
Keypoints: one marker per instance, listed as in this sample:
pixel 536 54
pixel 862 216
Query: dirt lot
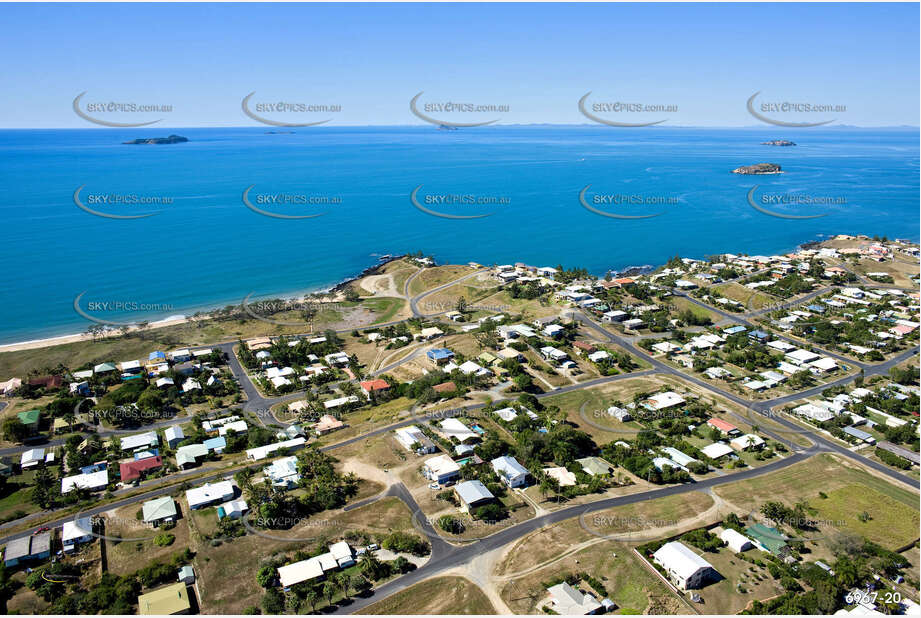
pixel 439 595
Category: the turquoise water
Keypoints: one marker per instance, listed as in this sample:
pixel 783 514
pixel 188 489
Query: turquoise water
pixel 208 249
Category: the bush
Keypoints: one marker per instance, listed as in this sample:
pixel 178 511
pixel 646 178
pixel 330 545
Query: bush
pixel 164 540
pixel 405 542
pixel 451 524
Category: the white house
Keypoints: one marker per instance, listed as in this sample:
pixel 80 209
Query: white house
pixel 412 435
pixel 142 440
pixel 510 471
pixel 453 428
pixel 716 450
pixel 663 401
pixel 208 494
pixel 568 601
pixel 736 541
pixel 685 568
pixel 441 469
pixel 94 481
pixel 747 441
pixel 75 532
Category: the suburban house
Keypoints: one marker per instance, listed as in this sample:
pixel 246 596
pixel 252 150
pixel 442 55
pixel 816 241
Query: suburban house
pixel 414 440
pixel 440 356
pixel 431 333
pixel 472 494
pixel 727 429
pixel 92 481
pixel 736 541
pixel 31 419
pixel 510 471
pixel 167 601
pixel 27 548
pixel 441 469
pixel 582 347
pixel 188 455
pixel 568 601
pixel 339 556
pixel 133 469
pixel 31 458
pixel 143 441
pixel 663 401
pixel 377 386
pixel 453 429
pixel 283 472
pixel 684 567
pixel 261 452
pixel 209 494
pixel 717 450
pixel 159 511
pixel 767 539
pixel 76 532
pixel 173 435
pixel 327 424
pixel 234 509
pixel 748 441
pixel 595 466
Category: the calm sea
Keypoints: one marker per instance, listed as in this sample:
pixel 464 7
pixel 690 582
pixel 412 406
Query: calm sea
pixel 205 248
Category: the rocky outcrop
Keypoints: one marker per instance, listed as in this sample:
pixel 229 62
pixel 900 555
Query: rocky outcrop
pixel 758 169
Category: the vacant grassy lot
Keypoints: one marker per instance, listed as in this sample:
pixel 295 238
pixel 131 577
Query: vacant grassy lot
pixel 751 299
pixel 439 595
pixel 851 491
pixel 683 304
pixel 633 588
pixel 124 557
pixel 550 542
pixel 742 582
pixel 226 573
pixel 436 276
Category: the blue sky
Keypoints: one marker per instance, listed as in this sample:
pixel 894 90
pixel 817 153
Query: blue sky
pixel 538 59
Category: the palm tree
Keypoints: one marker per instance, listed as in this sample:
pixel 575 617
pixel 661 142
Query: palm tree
pixel 329 591
pixel 312 597
pixel 344 580
pixel 370 565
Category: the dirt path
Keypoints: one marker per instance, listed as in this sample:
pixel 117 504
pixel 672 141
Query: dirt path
pixel 380 285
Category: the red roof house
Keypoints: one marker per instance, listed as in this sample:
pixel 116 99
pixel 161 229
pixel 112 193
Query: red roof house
pixel 132 470
pixel 723 426
pixel 374 386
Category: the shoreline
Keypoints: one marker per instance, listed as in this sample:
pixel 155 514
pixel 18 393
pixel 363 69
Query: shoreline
pixel 176 320
pixel 331 291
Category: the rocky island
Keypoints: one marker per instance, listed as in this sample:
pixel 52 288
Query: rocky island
pixel 758 169
pixel 778 142
pixel 172 139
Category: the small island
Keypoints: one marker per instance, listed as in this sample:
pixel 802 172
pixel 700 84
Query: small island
pixel 778 142
pixel 758 169
pixel 172 139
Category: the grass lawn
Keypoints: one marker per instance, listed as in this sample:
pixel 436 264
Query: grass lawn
pixel 385 308
pixel 439 595
pixel 683 304
pixel 752 299
pixel 742 582
pixel 226 573
pixel 436 276
pixel 128 556
pixel 633 588
pixel 550 542
pixel 850 490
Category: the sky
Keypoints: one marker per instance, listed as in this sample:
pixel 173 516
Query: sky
pixel 702 62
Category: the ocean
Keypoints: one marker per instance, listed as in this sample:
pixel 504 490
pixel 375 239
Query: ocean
pixel 206 248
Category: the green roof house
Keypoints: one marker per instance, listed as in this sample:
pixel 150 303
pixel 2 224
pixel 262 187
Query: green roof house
pixel 595 466
pixel 30 419
pixel 767 539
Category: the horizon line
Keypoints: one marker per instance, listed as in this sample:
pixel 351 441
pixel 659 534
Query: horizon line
pixel 422 125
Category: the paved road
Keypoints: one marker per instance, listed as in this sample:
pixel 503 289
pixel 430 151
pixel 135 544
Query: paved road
pixel 452 556
pixel 763 407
